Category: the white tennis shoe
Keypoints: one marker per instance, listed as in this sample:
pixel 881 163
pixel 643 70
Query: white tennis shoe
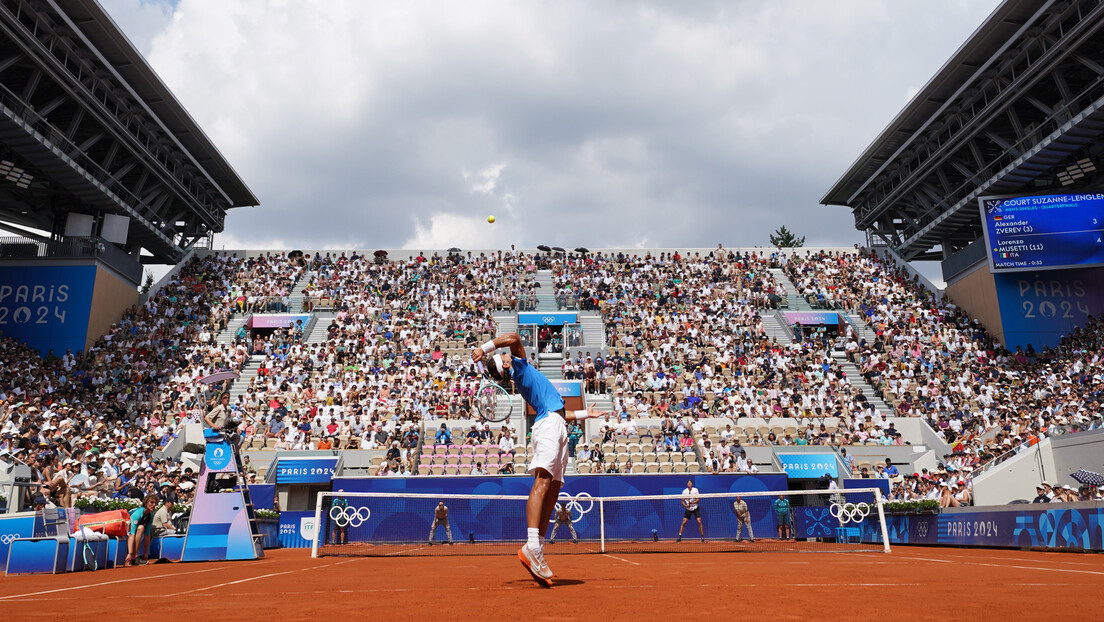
pixel 533 560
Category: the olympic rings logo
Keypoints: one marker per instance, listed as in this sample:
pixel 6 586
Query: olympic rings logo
pixel 548 319
pixel 8 538
pixel 849 512
pixel 349 517
pixel 579 505
pixel 922 529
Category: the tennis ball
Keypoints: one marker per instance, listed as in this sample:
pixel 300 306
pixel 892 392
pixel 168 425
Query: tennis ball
pixel 490 219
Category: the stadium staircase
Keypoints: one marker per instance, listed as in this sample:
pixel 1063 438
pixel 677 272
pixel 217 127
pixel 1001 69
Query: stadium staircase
pixel 296 295
pixel 857 380
pixel 774 328
pixel 226 335
pixel 594 329
pixel 795 301
pixel 320 330
pixel 861 328
pixel 546 294
pixel 248 373
pixel 505 322
pixel 551 365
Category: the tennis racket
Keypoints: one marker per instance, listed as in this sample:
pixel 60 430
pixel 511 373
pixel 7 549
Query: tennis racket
pixel 493 403
pixel 89 554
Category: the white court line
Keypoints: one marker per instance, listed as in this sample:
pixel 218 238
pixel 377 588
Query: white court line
pixel 506 587
pixel 81 587
pixel 928 559
pixel 247 579
pixel 1056 554
pixel 406 551
pixel 621 559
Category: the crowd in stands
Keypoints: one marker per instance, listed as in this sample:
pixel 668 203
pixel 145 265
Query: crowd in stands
pixel 686 341
pixel 88 424
pixel 928 358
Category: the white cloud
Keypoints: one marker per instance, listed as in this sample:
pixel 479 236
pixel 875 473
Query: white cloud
pixel 466 232
pixel 486 180
pixel 583 123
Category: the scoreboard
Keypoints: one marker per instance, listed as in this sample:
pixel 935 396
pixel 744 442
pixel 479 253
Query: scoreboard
pixel 1043 232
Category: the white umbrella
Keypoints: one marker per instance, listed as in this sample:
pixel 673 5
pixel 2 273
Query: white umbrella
pixel 220 376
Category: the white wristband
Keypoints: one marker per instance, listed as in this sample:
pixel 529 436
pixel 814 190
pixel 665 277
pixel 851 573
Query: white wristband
pixel 582 414
pixel 488 347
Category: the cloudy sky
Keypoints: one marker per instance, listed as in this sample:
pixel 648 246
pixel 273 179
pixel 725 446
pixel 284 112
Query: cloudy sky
pixel 364 124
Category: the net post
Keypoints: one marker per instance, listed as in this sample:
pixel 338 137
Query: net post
pixel 881 519
pixel 317 522
pixel 602 522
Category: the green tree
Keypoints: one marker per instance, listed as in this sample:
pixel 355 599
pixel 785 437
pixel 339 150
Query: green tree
pixel 148 284
pixel 786 239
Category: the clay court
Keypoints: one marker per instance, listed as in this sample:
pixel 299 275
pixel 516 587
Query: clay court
pixel 910 583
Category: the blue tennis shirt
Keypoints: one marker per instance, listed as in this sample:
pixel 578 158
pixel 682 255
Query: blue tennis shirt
pixel 534 388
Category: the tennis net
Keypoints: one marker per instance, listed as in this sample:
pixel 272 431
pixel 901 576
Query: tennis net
pixel 398 524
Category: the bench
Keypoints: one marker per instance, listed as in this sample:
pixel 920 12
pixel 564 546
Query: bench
pixel 845 534
pixel 48 554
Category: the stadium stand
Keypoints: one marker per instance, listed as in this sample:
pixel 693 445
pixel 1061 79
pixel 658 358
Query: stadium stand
pixel 695 382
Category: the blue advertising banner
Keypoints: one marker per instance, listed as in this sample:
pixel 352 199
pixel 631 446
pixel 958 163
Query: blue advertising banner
pixel 315 470
pixel 812 317
pixel 1062 527
pixel 568 388
pixel 17 526
pixel 47 307
pixel 296 530
pixel 482 520
pixel 594 485
pixel 263 496
pixel 867 497
pixel 1039 308
pixel 809 466
pixel 547 319
pixel 1043 232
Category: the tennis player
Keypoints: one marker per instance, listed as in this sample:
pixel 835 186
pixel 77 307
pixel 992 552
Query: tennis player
pixel 565 519
pixel 548 460
pixel 691 509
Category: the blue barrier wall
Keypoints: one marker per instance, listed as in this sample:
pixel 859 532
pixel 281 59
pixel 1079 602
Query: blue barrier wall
pixel 1066 526
pixel 594 485
pixel 263 496
pixel 296 528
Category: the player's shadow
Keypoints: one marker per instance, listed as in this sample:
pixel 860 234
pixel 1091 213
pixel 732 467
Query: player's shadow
pixel 555 583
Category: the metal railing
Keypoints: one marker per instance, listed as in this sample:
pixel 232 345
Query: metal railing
pixel 15 247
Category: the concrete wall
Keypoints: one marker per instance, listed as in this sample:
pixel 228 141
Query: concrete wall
pixel 1015 478
pixel 111 296
pixel 1074 452
pixel 976 292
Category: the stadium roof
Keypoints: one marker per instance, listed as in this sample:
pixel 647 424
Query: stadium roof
pixel 952 78
pixel 1015 107
pixel 105 37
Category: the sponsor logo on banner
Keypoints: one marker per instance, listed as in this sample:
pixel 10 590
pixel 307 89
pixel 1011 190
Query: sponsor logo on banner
pixel 1042 307
pixel 294 527
pixel 811 317
pixel 809 466
pixel 278 320
pixel 568 388
pixel 47 307
pixel 307 528
pixel 305 470
pixel 546 319
pixel 218 456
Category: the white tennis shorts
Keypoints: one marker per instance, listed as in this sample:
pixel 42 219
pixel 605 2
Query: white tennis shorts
pixel 549 446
